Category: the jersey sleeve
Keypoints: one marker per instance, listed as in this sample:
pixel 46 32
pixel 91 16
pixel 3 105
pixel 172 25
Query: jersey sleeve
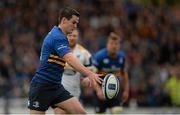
pixel 123 60
pixel 61 46
pixel 96 61
pixel 123 64
pixel 87 61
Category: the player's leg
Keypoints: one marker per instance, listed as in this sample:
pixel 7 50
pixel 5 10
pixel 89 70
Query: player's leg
pixel 58 111
pixel 96 87
pixel 72 105
pixel 67 102
pixel 115 105
pixel 74 91
pixel 99 91
pixel 100 105
pixel 33 112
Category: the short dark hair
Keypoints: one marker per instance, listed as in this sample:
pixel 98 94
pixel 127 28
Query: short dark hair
pixel 67 12
pixel 114 36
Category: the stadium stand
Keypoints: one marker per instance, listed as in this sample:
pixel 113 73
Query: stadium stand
pixel 150 37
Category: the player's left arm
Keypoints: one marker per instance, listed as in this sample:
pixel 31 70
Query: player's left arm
pixel 125 79
pixel 125 83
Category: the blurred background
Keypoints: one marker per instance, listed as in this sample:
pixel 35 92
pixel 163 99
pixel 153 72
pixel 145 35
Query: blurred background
pixel 150 31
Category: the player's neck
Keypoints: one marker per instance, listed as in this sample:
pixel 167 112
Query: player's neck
pixel 72 47
pixel 112 55
pixel 61 27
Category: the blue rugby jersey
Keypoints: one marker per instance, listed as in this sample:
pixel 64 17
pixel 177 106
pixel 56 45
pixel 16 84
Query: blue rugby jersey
pixel 54 47
pixel 105 64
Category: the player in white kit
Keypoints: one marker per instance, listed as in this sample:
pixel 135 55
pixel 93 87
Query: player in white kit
pixel 71 79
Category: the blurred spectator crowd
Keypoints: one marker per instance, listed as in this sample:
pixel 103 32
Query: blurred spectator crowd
pixel 150 33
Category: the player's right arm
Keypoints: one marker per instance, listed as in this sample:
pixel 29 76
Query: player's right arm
pixel 73 61
pixel 61 46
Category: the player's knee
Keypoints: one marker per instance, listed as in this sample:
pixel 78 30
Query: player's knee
pixel 85 82
pixel 80 110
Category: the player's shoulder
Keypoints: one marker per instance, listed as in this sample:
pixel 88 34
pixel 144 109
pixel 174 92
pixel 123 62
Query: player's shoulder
pixel 56 33
pixel 121 53
pixel 54 36
pixel 81 48
pixel 101 53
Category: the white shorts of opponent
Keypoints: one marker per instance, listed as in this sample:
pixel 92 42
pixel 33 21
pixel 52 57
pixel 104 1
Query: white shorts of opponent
pixel 71 82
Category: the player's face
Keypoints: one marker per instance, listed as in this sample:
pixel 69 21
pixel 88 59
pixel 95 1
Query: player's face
pixel 73 38
pixel 71 24
pixel 113 46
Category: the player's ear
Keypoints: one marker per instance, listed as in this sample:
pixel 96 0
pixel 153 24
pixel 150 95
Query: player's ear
pixel 64 20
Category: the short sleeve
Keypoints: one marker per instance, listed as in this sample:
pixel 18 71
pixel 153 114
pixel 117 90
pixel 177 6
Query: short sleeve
pixel 87 61
pixel 61 46
pixel 122 60
pixel 123 64
pixel 96 61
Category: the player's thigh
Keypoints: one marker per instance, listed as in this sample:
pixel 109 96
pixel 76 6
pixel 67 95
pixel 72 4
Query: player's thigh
pixel 72 105
pixel 58 111
pixel 35 112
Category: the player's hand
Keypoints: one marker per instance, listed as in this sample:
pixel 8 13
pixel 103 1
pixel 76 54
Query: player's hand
pixel 93 77
pixel 125 96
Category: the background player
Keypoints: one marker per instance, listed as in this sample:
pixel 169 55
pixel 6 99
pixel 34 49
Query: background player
pixel 46 88
pixel 71 78
pixel 111 60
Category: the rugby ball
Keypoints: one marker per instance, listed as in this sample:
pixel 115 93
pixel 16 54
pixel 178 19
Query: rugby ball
pixel 110 86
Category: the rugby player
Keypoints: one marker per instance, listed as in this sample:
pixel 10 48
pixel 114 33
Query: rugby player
pixel 46 89
pixel 111 60
pixel 71 79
